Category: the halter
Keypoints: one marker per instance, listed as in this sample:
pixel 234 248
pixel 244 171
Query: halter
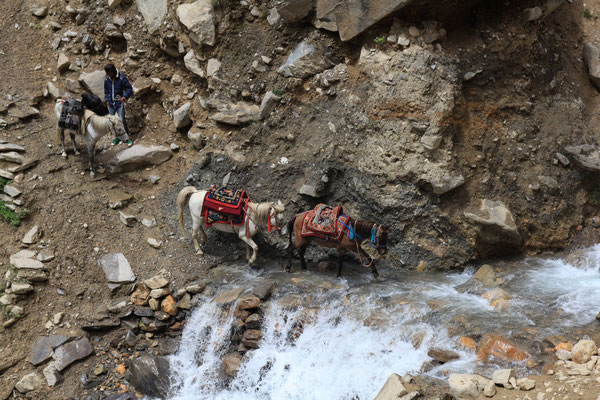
pixel 270 214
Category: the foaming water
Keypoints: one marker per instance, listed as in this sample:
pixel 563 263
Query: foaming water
pixel 348 335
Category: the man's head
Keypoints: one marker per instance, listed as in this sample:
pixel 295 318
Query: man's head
pixel 111 71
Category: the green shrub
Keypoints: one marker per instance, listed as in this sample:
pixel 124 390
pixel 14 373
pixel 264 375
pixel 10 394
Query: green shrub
pixel 587 13
pixel 380 40
pixel 13 217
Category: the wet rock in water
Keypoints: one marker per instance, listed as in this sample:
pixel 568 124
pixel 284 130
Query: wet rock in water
pixel 583 351
pixel 168 305
pixel 502 376
pixel 30 382
pixel 253 321
pixel 251 338
pixel 116 268
pixel 495 345
pixel 466 386
pixel 591 56
pixel 138 156
pixel 248 302
pixel 44 346
pixel 525 384
pixel 263 289
pixel 94 82
pixel 70 352
pixel 467 343
pixel 392 389
pixel 231 363
pixel 228 296
pixel 197 17
pixel 442 355
pixel 156 282
pixel 308 58
pixel 32 236
pixel 181 116
pixel 486 275
pixel 150 375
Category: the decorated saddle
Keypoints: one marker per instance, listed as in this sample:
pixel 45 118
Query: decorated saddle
pixel 324 222
pixel 224 206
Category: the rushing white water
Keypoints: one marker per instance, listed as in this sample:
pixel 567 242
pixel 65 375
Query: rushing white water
pixel 357 331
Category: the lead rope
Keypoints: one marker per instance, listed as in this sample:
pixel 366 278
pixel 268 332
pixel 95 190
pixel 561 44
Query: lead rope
pixel 358 249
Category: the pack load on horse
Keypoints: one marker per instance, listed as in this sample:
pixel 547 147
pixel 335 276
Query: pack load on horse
pixel 230 211
pixel 329 227
pixel 90 125
pixel 94 104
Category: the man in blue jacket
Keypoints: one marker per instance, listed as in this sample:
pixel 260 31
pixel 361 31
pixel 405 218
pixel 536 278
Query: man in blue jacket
pixel 117 90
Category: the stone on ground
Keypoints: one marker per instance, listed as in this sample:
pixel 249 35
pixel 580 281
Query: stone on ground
pixel 30 382
pixel 94 82
pixel 466 386
pixel 502 376
pixel 150 375
pixel 392 389
pixel 583 351
pixel 197 17
pixel 117 268
pixel 138 156
pixel 153 12
pixel 70 352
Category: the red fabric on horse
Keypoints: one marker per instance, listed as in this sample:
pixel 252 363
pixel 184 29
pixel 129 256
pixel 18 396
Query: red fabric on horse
pixel 225 201
pixel 324 222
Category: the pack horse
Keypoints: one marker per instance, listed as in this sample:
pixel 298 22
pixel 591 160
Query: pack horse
pixel 72 117
pixel 329 227
pixel 228 211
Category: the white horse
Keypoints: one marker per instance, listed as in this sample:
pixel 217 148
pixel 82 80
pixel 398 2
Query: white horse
pixel 93 127
pixel 257 214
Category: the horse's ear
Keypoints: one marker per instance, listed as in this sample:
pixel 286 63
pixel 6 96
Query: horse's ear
pixel 279 206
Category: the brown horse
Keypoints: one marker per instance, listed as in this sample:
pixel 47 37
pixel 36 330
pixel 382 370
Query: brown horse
pixel 356 233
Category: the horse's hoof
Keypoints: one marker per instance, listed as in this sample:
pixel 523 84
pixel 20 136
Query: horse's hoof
pixel 288 270
pixel 77 153
pixel 200 252
pixel 92 174
pixel 64 154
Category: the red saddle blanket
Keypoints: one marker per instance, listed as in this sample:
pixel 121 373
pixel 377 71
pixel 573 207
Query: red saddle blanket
pixel 224 206
pixel 324 222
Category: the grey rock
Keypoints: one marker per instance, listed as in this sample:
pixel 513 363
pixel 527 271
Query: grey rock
pixel 11 147
pixel 32 275
pixel 156 282
pixel 153 11
pixel 100 325
pixel 21 288
pixel 118 198
pixel 113 4
pixel 445 183
pixel 116 268
pixel 12 191
pixel 12 157
pixel 311 190
pixel 149 222
pixel 138 156
pixel 273 18
pixel 263 289
pixel 27 164
pixel 212 67
pixel 196 288
pixel 490 389
pixel 70 352
pixel 29 383
pixel 307 59
pixel 53 377
pixel 197 139
pixel 591 56
pixel 32 236
pixel 6 174
pixel 153 179
pixel 548 181
pixel 525 384
pixel 23 111
pixel 63 63
pixel 466 386
pixel 181 116
pixel 502 376
pixel 118 307
pixel 431 142
pixel 40 12
pixel 236 113
pixel 94 82
pixel 53 91
pixel 10 298
pixel 192 64
pixel 72 85
pixel 127 219
pixel 44 346
pixel 197 17
pixel 586 156
pixel 268 104
pixel 496 222
pixel 392 389
pixel 142 86
pixel 150 375
pixel 26 263
pixel 354 16
pixel 294 10
pixel 325 15
pixel 563 159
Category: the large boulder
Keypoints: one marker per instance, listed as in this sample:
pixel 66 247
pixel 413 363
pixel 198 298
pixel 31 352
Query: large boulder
pixel 307 58
pixel 117 268
pixel 496 225
pixel 499 347
pixel 94 82
pixel 591 55
pixel 236 113
pixel 294 10
pixel 138 156
pixel 153 11
pixel 583 351
pixel 586 156
pixel 354 16
pixel 150 375
pixel 197 17
pixel 466 386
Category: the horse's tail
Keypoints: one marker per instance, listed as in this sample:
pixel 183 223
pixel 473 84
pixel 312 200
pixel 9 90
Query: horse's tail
pixel 182 199
pixel 290 228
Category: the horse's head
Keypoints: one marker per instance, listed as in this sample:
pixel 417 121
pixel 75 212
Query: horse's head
pixel 275 215
pixel 117 128
pixel 381 239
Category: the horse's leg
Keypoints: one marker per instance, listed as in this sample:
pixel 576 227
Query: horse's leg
pixel 374 270
pixel 290 255
pixel 340 261
pixel 250 243
pixel 74 145
pixel 62 142
pixel 371 261
pixel 196 226
pixel 90 149
pixel 301 252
